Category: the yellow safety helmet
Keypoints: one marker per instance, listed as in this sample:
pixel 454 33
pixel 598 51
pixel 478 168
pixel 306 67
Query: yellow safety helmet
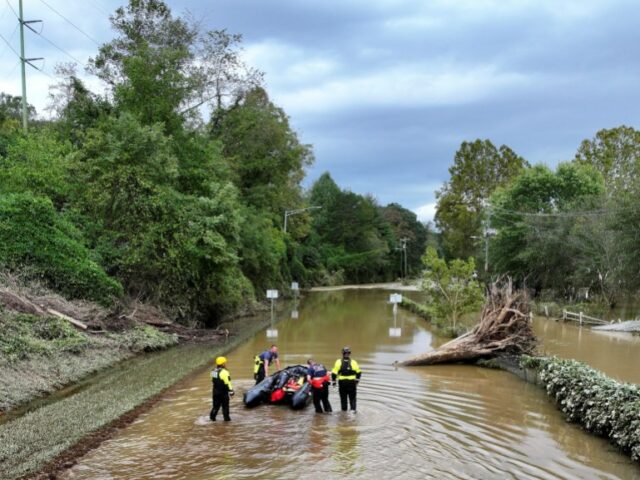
pixel 221 361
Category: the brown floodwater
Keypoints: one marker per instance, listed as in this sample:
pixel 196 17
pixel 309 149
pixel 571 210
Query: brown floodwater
pixel 460 422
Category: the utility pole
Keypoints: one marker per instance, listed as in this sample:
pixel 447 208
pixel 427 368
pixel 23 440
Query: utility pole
pixel 23 62
pixel 404 241
pixel 288 213
pixel 24 75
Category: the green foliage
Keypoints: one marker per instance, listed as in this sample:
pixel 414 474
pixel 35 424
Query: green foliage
pixel 615 153
pixel 36 163
pixel 351 234
pixel 478 169
pixel 34 236
pixel 266 157
pixel 533 220
pixel 27 336
pixel 143 338
pixel 601 405
pixel 11 108
pixel 451 288
pixel 405 225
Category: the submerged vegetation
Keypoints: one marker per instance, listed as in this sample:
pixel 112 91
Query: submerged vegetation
pixel 587 397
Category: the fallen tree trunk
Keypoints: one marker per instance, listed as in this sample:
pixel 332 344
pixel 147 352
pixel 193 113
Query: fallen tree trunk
pixel 504 329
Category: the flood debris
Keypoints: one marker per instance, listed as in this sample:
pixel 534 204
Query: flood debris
pixel 504 329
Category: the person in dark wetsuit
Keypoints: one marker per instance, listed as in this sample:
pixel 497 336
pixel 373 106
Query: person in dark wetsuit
pixel 347 372
pixel 318 377
pixel 222 389
pixel 263 361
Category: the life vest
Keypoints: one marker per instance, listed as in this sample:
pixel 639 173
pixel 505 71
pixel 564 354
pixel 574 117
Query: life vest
pixel 319 376
pixel 259 360
pixel 221 380
pixel 346 369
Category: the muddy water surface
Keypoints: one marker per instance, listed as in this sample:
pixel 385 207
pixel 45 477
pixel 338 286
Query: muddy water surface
pixel 434 422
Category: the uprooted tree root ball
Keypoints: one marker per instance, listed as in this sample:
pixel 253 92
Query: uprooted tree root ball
pixel 504 329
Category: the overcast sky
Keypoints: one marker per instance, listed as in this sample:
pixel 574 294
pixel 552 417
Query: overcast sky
pixel 386 90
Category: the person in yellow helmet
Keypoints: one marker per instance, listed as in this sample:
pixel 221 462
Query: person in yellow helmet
pixel 222 389
pixel 347 372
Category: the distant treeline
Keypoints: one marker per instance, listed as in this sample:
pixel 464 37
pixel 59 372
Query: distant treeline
pixel 135 191
pixel 563 233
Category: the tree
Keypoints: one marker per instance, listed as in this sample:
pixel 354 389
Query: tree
pixel 11 108
pixel 478 169
pixel 615 153
pixel 149 65
pixel 450 287
pixel 267 160
pixel 405 225
pixel 534 217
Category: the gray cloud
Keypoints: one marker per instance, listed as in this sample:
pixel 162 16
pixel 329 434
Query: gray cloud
pixel 386 90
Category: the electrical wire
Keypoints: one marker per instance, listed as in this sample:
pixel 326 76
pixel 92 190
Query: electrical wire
pixel 9 45
pixel 12 9
pixel 13 69
pixel 10 37
pixel 78 62
pixel 70 23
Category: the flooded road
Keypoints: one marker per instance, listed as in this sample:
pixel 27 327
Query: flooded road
pixel 433 422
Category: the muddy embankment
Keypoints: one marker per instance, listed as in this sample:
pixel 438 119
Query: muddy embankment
pixel 87 382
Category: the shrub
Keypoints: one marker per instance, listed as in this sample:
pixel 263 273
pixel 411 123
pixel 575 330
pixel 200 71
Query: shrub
pixel 33 236
pixel 600 404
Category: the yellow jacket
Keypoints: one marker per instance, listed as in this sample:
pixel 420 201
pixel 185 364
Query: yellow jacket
pixel 346 369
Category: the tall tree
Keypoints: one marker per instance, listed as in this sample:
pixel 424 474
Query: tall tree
pixel 478 169
pixel 405 225
pixel 267 159
pixel 534 217
pixel 615 153
pixel 149 65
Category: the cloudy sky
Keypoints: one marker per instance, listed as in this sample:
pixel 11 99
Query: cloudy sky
pixel 386 90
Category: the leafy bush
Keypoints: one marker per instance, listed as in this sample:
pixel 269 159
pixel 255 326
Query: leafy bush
pixel 146 338
pixel 33 236
pixel 423 311
pixel 600 404
pixel 26 336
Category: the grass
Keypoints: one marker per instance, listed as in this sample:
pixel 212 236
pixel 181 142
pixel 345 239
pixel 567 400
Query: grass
pixel 30 441
pixel 39 355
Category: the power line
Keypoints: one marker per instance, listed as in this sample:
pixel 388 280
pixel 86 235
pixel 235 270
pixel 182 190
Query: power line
pixel 13 69
pixel 60 49
pixel 71 23
pixel 9 45
pixel 10 37
pixel 12 9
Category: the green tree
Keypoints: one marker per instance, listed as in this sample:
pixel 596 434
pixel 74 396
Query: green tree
pixel 405 225
pixel 478 169
pixel 615 153
pixel 534 217
pixel 267 160
pixel 450 287
pixel 149 65
pixel 37 163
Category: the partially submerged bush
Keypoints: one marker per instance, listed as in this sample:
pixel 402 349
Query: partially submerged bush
pixel 600 404
pixel 444 328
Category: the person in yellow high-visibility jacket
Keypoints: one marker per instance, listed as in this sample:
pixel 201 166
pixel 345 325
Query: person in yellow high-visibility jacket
pixel 222 389
pixel 348 373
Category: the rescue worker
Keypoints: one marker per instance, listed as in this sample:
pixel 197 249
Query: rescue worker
pixel 347 372
pixel 263 361
pixel 318 377
pixel 222 390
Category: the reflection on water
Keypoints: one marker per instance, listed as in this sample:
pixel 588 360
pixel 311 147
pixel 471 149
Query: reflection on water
pixel 435 422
